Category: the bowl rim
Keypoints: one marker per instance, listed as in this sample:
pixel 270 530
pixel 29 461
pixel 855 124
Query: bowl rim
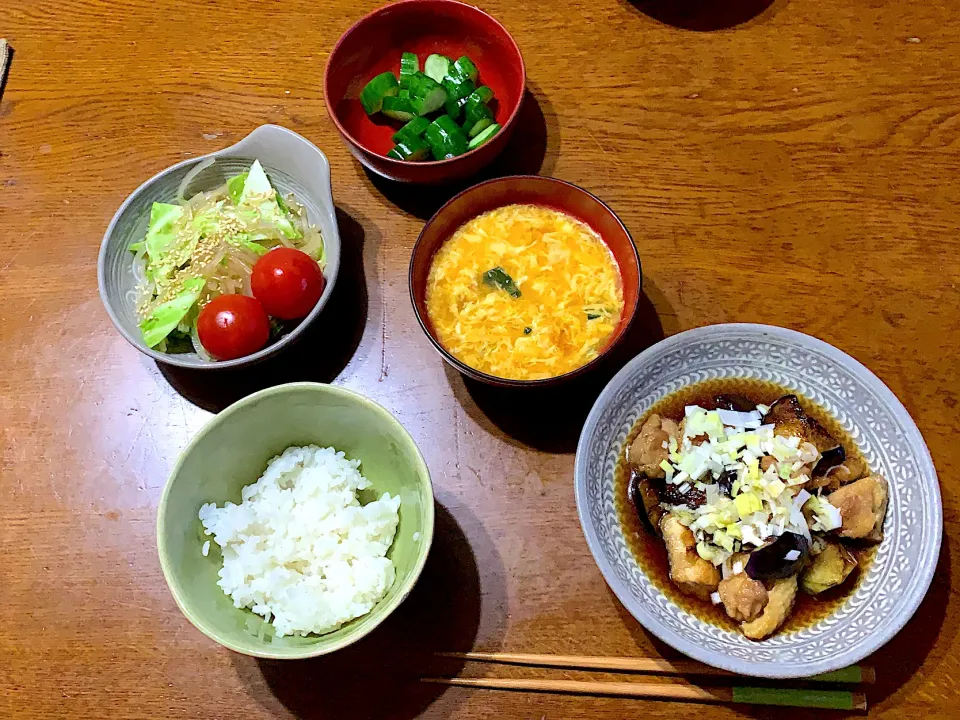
pixel 265 352
pixel 392 162
pixel 876 641
pixel 426 532
pixel 540 382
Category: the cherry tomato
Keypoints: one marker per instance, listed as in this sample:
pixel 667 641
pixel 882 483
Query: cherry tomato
pixel 288 282
pixel 231 326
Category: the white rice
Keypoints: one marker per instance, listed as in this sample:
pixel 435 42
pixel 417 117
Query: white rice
pixel 300 548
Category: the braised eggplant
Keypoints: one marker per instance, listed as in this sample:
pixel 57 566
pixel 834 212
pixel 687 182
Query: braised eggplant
pixel 829 569
pixel 829 459
pixel 780 558
pixel 734 401
pixel 683 494
pixel 644 493
pixel 725 482
pixel 789 419
pixel 851 469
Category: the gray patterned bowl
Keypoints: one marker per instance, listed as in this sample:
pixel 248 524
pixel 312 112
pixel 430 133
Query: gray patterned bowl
pixel 901 573
pixel 294 164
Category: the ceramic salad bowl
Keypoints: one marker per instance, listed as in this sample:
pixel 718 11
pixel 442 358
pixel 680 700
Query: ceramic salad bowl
pixel 294 165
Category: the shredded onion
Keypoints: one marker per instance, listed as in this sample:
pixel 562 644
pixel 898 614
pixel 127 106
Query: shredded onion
pixel 140 266
pixel 189 177
pixel 210 269
pixel 143 288
pixel 809 453
pixel 195 340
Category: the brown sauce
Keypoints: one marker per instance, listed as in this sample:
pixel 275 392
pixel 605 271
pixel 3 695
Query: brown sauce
pixel 649 550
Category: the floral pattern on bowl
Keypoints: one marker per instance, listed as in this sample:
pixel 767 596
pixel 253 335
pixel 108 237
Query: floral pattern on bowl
pixel 890 441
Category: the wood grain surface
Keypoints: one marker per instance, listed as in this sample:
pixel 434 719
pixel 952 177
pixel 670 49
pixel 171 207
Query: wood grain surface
pixel 792 163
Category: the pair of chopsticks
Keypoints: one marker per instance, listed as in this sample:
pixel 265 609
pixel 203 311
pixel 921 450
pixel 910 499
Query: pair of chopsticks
pixel 786 697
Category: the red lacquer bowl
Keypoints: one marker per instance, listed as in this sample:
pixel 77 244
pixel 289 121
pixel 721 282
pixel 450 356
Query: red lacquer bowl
pixel 526 190
pixel 374 44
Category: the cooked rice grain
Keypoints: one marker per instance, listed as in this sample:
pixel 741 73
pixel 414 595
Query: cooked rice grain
pixel 300 549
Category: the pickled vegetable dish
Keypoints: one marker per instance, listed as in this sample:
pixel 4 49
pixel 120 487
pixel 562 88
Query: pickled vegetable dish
pixel 524 292
pixel 205 272
pixel 755 506
pixel 445 111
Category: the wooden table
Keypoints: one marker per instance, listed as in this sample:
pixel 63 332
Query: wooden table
pixel 794 164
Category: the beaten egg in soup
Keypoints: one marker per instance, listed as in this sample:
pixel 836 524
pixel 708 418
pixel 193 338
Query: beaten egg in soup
pixel 524 292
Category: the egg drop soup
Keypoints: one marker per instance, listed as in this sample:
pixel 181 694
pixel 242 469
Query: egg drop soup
pixel 524 293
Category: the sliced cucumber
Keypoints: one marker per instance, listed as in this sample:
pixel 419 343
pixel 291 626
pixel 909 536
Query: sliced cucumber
pixel 483 136
pixel 427 94
pixel 409 66
pixel 413 130
pixel 454 108
pixel 410 150
pixel 383 85
pixel 445 138
pixel 437 67
pixel 430 103
pixel 457 89
pixel 478 118
pixel 399 108
pixel 483 94
pixel 465 68
pixel 479 127
pixel 463 123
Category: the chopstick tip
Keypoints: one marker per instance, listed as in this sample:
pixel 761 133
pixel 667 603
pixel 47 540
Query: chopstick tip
pixel 860 702
pixel 435 681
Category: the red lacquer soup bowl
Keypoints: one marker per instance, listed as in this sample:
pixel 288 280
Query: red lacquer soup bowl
pixel 525 190
pixel 374 45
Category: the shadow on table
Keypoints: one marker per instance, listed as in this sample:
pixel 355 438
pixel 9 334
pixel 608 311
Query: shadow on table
pixel 551 418
pixel 378 678
pixel 898 663
pixel 322 351
pixel 532 149
pixel 705 15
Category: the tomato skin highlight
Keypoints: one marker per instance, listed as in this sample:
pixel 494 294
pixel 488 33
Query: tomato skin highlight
pixel 288 282
pixel 232 326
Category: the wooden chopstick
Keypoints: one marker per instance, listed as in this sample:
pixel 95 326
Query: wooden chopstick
pixel 855 674
pixel 824 699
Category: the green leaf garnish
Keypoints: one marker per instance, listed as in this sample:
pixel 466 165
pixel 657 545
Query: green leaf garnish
pixel 596 311
pixel 498 278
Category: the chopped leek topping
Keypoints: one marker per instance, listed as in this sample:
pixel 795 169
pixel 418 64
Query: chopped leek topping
pixel 766 494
